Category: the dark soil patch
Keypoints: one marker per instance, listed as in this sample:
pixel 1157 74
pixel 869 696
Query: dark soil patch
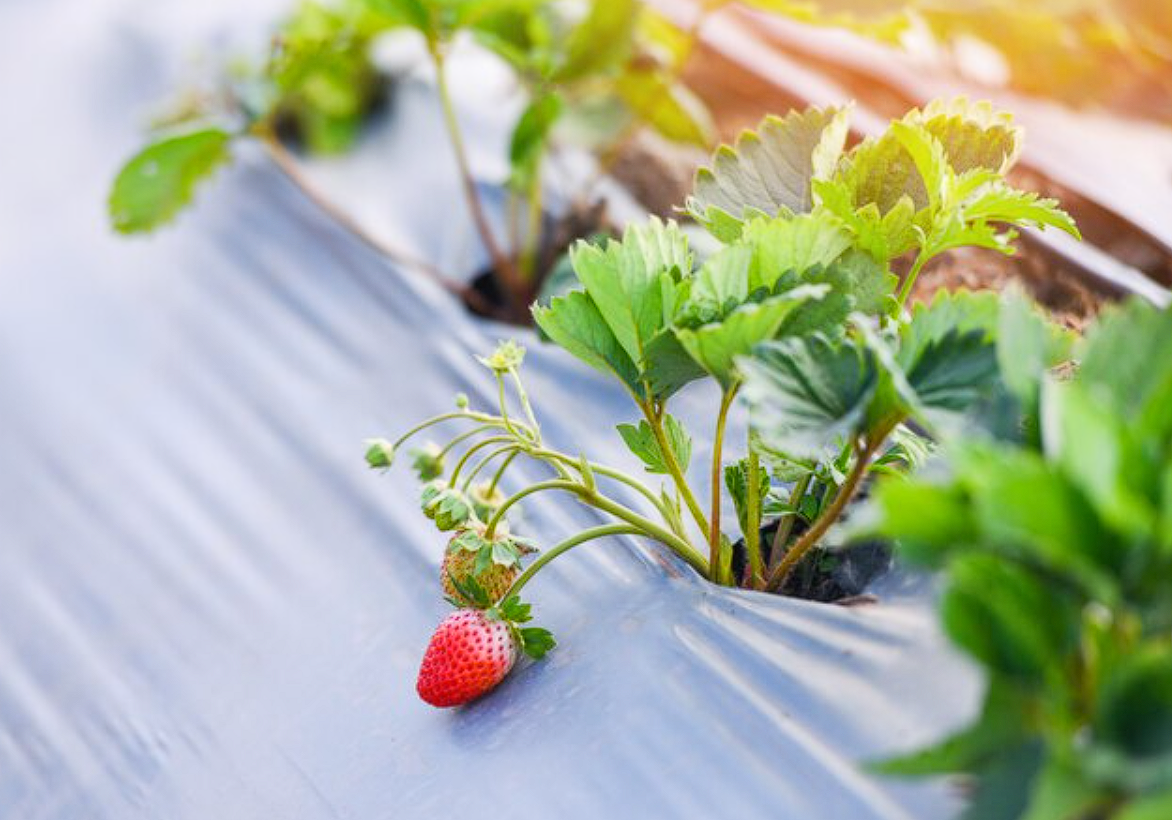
pixel 485 295
pixel 826 575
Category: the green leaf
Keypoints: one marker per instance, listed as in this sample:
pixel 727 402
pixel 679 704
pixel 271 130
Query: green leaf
pixel 953 373
pixel 642 442
pixel 668 107
pixel 1062 791
pixel 880 172
pixel 514 610
pixel 795 245
pixel 667 366
pixel 449 509
pixel 1127 359
pixel 530 135
pixel 1134 712
pixel 413 13
pixel 883 236
pixel 1149 807
pixel 1000 726
pixel 1027 509
pixel 504 554
pixel 929 521
pixel 948 312
pixel 736 479
pixel 1098 453
pixel 1028 345
pixel 769 171
pixel 471 590
pixel 973 135
pixel 536 642
pixel 1007 618
pixel 601 41
pixel 807 394
pixel 720 286
pixel 574 322
pixel 858 284
pixel 161 179
pixel 633 282
pixel 1003 790
pixel 716 347
pixel 998 202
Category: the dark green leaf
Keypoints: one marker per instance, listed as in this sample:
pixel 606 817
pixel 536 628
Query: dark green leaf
pixel 1006 617
pixel 716 347
pixel 807 395
pixel 536 642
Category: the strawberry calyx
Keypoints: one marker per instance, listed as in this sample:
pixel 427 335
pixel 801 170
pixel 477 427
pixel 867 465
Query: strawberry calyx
pixel 534 641
pixel 503 550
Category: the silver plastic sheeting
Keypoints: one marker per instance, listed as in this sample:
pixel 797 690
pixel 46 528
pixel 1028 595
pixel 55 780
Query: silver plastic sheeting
pixel 209 608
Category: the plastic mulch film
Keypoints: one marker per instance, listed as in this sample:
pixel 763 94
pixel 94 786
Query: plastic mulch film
pixel 210 608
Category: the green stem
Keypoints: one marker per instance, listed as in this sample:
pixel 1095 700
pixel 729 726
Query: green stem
pixel 496 479
pixel 666 537
pixel 492 421
pixel 601 502
pixel 541 486
pixel 500 383
pixel 524 397
pixel 552 553
pixel 609 472
pixel 655 419
pixel 810 538
pixel 905 290
pixel 533 226
pixel 786 525
pixel 480 445
pixel 753 518
pixel 484 462
pixel 451 445
pixel 719 572
pixel 504 267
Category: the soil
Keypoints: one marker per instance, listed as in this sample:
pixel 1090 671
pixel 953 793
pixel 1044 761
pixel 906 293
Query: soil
pixel 484 296
pixel 825 575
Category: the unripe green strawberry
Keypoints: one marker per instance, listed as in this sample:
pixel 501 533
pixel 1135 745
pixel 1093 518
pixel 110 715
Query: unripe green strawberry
pixel 444 505
pixel 492 565
pixel 427 462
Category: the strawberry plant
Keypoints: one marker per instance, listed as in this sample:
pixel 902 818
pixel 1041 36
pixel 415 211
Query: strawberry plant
pixel 798 312
pixel 1055 537
pixel 572 66
pixel 318 83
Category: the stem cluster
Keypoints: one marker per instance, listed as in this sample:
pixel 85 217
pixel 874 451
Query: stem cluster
pixel 503 436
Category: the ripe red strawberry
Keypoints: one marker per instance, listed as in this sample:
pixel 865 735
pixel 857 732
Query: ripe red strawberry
pixel 472 650
pixel 469 654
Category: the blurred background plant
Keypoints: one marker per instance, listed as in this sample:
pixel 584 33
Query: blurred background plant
pixel 1055 538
